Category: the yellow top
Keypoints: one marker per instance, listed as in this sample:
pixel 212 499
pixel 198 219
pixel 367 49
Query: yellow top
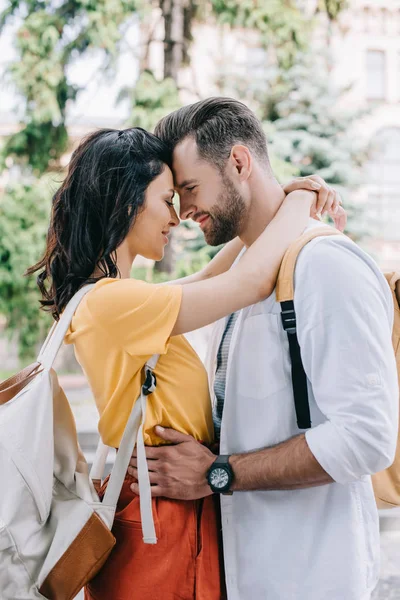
pixel 117 327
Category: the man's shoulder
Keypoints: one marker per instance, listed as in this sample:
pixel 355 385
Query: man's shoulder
pixel 336 253
pixel 337 265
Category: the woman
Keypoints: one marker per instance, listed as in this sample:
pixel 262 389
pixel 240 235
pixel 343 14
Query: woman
pixel 115 203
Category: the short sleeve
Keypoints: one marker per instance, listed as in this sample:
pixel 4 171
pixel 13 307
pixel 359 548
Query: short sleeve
pixel 137 316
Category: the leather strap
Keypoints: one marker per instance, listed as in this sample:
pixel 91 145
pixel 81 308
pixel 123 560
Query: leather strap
pixel 285 295
pixel 285 284
pixel 13 385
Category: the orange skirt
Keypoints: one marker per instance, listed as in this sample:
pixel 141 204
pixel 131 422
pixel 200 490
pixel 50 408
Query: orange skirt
pixel 185 564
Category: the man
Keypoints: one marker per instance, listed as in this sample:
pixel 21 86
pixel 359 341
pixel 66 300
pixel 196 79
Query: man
pixel 301 523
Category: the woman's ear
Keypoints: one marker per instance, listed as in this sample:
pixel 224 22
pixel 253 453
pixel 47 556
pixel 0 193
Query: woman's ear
pixel 241 161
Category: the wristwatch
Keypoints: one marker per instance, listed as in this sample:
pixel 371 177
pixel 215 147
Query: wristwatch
pixel 220 475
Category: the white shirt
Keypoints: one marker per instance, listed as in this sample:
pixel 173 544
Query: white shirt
pixel 318 543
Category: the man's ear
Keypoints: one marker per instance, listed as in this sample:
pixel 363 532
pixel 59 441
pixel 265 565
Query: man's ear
pixel 241 161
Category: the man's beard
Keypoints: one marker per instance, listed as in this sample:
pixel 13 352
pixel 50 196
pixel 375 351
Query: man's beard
pixel 226 216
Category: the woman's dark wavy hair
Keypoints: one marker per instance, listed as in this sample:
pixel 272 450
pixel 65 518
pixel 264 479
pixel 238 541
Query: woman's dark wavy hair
pixel 94 209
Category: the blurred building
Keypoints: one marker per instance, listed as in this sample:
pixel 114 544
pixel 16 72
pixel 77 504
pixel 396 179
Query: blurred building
pixel 366 47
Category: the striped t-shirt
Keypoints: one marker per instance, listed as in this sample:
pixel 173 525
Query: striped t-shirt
pixel 220 374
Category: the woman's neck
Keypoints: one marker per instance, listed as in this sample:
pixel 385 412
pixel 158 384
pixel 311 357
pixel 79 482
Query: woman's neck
pixel 124 261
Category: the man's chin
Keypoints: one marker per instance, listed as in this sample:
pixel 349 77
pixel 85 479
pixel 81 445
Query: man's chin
pixel 213 240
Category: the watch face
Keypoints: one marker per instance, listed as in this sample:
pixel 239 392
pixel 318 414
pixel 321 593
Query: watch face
pixel 219 478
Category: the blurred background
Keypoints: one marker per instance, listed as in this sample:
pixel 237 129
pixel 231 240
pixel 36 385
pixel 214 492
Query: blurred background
pixel 322 75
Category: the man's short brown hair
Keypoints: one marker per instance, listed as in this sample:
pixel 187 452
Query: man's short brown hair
pixel 217 124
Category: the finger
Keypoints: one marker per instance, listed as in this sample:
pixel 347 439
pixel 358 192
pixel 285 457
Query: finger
pixel 322 198
pixel 318 179
pixel 135 488
pixel 340 219
pixel 156 490
pixel 329 202
pixel 153 477
pixel 336 203
pixel 301 184
pixel 152 465
pixel 171 435
pixel 152 452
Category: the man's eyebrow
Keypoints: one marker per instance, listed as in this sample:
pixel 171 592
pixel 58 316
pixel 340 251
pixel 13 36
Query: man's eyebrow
pixel 185 183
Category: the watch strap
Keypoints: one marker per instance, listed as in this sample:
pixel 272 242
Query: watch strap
pixel 222 459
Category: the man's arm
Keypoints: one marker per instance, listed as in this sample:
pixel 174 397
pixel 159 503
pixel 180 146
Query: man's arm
pixel 344 327
pixel 179 471
pixel 286 466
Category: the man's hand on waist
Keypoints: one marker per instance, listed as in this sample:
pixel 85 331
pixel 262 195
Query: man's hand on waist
pixel 176 471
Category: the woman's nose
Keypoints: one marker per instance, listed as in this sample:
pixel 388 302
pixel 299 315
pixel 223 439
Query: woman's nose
pixel 174 218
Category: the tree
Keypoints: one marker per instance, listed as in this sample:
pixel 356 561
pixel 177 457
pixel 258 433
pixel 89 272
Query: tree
pixel 24 210
pixel 52 35
pixel 309 128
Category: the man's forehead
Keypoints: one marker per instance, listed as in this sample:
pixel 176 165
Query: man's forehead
pixel 185 159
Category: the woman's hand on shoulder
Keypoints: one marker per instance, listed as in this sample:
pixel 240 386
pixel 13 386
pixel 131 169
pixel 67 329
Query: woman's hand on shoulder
pixel 327 200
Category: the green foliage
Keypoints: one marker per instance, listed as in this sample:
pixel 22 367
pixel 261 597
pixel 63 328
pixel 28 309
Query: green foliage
pixel 37 145
pixel 281 25
pixel 193 252
pixel 151 100
pixel 24 212
pixel 52 35
pixel 309 129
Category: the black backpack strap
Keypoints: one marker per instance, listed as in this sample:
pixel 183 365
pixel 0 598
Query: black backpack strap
pixel 299 378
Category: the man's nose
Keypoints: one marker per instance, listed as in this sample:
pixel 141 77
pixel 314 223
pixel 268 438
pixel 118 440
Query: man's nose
pixel 186 210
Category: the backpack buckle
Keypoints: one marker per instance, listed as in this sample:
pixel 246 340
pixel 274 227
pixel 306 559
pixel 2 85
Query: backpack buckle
pixel 150 382
pixel 289 320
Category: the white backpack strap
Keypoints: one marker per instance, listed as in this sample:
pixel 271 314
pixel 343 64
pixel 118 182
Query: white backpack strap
pixel 99 462
pixel 133 435
pixel 146 509
pixel 47 340
pixel 59 330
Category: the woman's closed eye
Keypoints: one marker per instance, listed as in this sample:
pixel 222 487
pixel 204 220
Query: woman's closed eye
pixel 190 189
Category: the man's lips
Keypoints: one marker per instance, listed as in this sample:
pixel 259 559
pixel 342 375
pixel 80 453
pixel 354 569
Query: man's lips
pixel 202 221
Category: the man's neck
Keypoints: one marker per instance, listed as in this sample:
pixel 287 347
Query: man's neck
pixel 266 199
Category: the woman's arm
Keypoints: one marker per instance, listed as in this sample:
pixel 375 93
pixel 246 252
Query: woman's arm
pixel 254 277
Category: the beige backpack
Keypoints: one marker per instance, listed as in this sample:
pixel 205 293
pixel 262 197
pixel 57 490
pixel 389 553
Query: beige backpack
pixel 386 483
pixel 55 533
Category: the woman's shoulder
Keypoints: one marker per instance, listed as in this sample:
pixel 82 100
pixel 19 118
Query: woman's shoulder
pixel 118 285
pixel 136 315
pixel 110 288
pixel 120 295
